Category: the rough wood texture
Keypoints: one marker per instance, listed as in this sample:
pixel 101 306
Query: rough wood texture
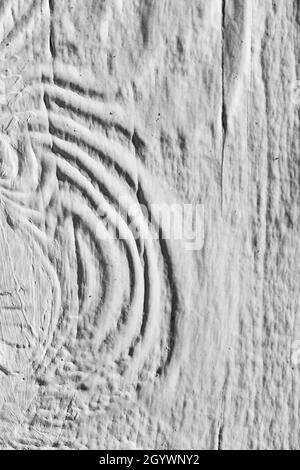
pixel 136 342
